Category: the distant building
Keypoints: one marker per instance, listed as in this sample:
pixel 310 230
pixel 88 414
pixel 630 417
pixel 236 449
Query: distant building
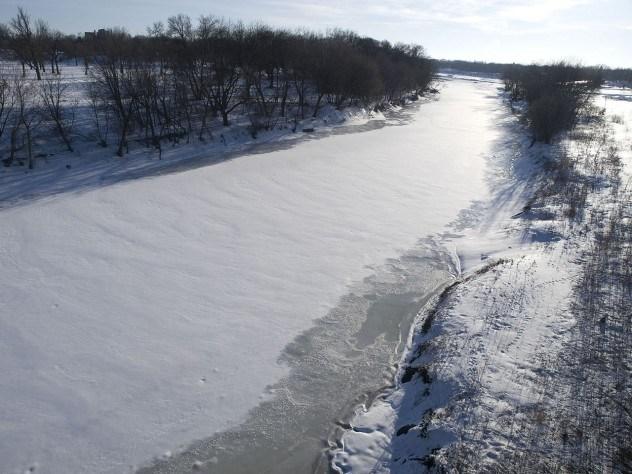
pixel 97 34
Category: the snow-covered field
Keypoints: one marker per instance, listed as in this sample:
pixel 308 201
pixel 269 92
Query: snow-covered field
pixel 141 316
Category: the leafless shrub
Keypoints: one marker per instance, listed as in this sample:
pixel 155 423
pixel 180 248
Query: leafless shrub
pixel 557 95
pixel 617 119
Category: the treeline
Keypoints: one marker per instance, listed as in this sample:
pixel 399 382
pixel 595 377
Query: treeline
pixel 173 82
pixel 471 66
pixel 623 76
pixel 556 94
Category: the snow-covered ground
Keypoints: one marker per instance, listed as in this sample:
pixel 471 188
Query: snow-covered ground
pixel 489 379
pixel 618 105
pixel 140 316
pixel 91 165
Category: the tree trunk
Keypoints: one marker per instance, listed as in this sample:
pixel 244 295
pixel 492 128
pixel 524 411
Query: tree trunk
pixel 317 107
pixel 64 136
pixel 123 139
pixel 284 99
pixel 29 147
pixel 14 137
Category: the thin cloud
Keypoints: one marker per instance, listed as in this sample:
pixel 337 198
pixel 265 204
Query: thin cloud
pixel 538 11
pixel 490 15
pixel 508 16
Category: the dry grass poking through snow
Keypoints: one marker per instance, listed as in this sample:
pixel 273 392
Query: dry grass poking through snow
pixel 570 409
pixel 524 365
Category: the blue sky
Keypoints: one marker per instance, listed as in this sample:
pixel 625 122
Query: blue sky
pixel 590 31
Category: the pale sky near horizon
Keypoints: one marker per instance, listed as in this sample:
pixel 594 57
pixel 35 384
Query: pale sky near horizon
pixel 588 31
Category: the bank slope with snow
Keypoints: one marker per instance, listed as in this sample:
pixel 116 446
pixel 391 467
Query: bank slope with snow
pixel 523 364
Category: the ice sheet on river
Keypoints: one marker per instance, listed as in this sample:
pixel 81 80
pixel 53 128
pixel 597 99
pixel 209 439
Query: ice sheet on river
pixel 139 317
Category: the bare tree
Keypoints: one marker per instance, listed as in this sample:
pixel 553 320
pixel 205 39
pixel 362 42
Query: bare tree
pixel 117 87
pixel 53 95
pixel 25 41
pixel 7 103
pixel 52 44
pixel 156 30
pixel 180 26
pixel 225 63
pixel 101 113
pixel 26 116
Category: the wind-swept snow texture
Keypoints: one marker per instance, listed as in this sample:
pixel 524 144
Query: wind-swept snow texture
pixel 140 316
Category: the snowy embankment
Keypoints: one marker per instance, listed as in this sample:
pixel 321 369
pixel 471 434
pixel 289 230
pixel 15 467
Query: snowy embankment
pixel 520 365
pixel 141 316
pixel 91 165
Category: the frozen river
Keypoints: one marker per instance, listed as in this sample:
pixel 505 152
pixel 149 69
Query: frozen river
pixel 247 305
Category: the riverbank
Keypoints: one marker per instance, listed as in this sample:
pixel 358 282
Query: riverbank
pixel 522 364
